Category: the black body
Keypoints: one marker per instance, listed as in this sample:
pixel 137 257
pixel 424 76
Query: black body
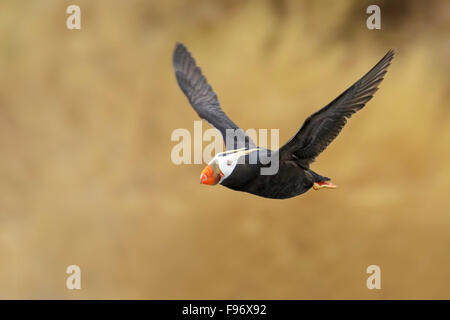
pixel 290 181
pixel 294 176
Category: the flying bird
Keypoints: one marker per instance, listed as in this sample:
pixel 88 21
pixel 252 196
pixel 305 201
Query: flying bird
pixel 233 168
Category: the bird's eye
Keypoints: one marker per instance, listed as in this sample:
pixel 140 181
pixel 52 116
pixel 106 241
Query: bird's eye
pixel 229 163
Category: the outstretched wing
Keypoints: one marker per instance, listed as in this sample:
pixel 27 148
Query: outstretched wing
pixel 203 99
pixel 322 127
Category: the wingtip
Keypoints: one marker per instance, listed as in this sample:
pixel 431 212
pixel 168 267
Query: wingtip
pixel 390 54
pixel 178 53
pixel 386 60
pixel 179 44
pixel 179 47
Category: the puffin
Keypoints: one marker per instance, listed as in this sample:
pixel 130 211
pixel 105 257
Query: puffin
pixel 247 168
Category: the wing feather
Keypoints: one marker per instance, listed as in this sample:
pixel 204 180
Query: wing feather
pixel 322 127
pixel 204 100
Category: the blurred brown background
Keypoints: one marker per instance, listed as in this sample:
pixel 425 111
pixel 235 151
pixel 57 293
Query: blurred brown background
pixel 86 176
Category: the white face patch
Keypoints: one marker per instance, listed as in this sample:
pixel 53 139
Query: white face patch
pixel 228 160
pixel 226 165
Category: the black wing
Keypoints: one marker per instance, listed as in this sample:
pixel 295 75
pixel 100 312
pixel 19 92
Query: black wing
pixel 204 100
pixel 322 127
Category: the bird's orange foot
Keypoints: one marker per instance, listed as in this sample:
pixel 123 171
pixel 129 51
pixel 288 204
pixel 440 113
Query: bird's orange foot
pixel 324 184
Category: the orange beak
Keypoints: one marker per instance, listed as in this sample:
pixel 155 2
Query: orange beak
pixel 208 176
